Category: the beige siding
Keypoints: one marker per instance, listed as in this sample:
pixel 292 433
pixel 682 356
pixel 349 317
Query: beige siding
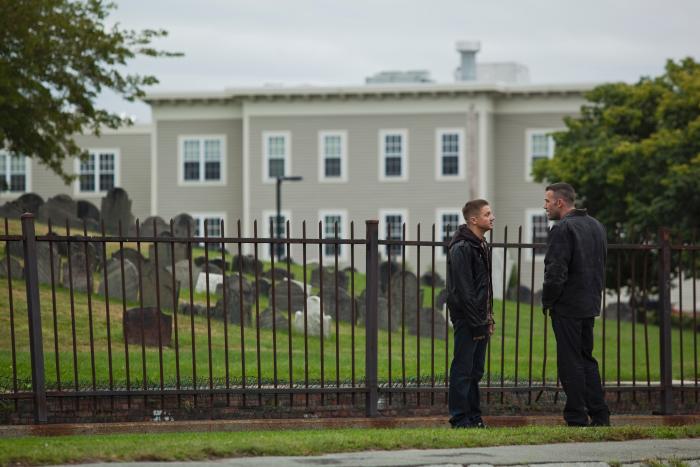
pixel 135 170
pixel 172 198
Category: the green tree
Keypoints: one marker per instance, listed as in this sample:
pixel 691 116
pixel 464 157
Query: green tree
pixel 56 57
pixel 633 154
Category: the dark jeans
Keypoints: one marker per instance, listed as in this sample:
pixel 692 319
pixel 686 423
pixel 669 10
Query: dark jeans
pixel 465 373
pixel 578 371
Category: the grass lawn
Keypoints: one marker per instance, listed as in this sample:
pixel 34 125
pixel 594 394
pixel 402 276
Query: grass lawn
pixel 503 344
pixel 196 446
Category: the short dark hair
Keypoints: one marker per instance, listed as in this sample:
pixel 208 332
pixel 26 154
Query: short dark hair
pixel 473 208
pixel 564 191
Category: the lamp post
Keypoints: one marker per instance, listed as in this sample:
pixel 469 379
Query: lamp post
pixel 278 220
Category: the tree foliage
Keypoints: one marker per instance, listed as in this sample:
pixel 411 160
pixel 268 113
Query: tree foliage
pixel 633 154
pixel 56 57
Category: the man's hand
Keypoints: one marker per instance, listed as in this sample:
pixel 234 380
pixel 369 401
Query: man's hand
pixel 492 328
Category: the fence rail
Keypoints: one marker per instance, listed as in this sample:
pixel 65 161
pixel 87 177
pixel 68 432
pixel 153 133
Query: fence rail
pixel 161 319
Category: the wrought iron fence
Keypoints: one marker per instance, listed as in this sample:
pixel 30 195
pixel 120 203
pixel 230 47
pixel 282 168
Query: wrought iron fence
pixel 235 330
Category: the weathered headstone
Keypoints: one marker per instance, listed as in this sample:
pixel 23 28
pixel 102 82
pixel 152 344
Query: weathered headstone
pixel 196 309
pixel 429 324
pixel 143 323
pixel 15 268
pixel 405 291
pixel 11 210
pixel 264 285
pixel 60 209
pixel 429 279
pixel 280 319
pixel 182 273
pixel 116 208
pixel 87 210
pixel 344 304
pixel 16 248
pixel 329 278
pixel 44 263
pixel 214 281
pixel 524 294
pixel 280 274
pixel 183 225
pixel 247 263
pixel 114 280
pixel 282 291
pixel 165 251
pixel 29 202
pixel 132 255
pixel 146 227
pixel 233 300
pixel 165 290
pixel 382 313
pixel 386 271
pixel 79 272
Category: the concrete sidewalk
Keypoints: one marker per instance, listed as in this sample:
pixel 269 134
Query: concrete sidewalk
pixel 579 454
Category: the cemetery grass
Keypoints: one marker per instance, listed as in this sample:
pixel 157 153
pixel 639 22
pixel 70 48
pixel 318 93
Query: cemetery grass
pixel 305 364
pixel 34 450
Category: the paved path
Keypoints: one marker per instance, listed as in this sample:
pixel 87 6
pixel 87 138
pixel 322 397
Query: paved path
pixel 579 454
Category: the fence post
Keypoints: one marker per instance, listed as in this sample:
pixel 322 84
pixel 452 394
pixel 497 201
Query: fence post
pixel 371 300
pixel 665 320
pixel 36 342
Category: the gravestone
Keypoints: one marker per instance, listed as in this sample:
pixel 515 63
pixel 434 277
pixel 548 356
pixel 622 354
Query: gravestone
pixel 82 266
pixel 182 273
pixel 146 228
pixel 144 322
pixel 219 263
pixel 214 281
pixel 279 274
pixel 196 309
pixel 15 268
pixel 525 294
pixel 60 209
pixel 329 278
pixel 183 225
pixel 29 202
pixel 165 251
pixel 282 291
pixel 345 304
pixel 165 289
pixel 247 263
pixel 386 271
pixel 382 313
pixel 44 263
pixel 233 300
pixel 11 210
pixel 264 286
pixel 87 210
pixel 407 296
pixel 130 254
pixel 280 320
pixel 114 280
pixel 116 208
pixel 432 279
pixel 427 327
pixel 16 248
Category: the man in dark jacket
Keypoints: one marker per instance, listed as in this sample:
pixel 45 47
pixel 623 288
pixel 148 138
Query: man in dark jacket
pixel 574 271
pixel 470 302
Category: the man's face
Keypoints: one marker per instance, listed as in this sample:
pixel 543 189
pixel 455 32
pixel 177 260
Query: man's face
pixel 553 206
pixel 485 219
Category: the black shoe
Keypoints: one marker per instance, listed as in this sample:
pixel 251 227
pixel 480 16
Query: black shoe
pixel 478 422
pixel 579 425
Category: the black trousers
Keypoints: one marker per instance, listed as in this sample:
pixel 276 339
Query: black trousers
pixel 578 371
pixel 465 373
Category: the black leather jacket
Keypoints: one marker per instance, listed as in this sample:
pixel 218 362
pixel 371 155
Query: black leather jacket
pixel 469 290
pixel 574 266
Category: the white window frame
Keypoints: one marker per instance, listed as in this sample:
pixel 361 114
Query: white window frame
pixel 404 155
pixel 439 234
pixel 266 135
pixel 529 133
pixel 264 228
pixel 528 230
pixel 200 216
pixel 382 226
pixel 322 178
pixel 181 160
pixel 342 234
pixel 461 159
pixel 27 176
pixel 95 152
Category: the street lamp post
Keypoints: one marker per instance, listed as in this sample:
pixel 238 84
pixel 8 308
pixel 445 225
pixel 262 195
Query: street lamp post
pixel 278 220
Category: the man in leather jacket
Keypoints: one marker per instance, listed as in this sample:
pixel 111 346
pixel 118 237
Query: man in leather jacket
pixel 470 302
pixel 574 272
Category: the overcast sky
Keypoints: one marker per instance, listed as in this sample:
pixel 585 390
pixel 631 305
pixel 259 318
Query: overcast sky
pixel 229 43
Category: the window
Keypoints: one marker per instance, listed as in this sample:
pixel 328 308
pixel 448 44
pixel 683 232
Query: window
pixel 332 156
pixel 14 173
pixel 393 150
pixel 214 222
pixel 391 223
pixel 277 159
pixel 447 222
pixel 540 145
pixel 279 230
pixel 537 228
pixel 99 172
pixel 450 164
pixel 330 220
pixel 202 160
